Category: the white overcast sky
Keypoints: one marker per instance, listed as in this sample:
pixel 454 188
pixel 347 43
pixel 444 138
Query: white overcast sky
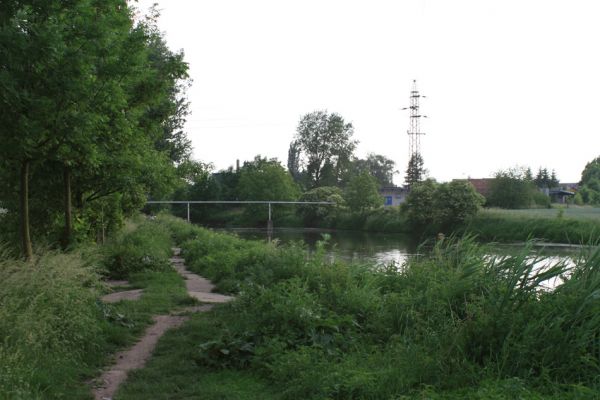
pixel 508 82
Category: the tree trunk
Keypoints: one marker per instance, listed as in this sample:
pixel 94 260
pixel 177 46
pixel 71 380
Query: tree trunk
pixel 24 211
pixel 68 208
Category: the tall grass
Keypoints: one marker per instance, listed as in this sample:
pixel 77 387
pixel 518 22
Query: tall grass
pixel 145 245
pixel 51 326
pixel 454 322
pixel 511 227
pixel 55 332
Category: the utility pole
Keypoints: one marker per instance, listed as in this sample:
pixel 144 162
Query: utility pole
pixel 414 131
pixel 415 160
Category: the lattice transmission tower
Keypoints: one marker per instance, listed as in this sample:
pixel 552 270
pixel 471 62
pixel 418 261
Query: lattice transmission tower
pixel 414 130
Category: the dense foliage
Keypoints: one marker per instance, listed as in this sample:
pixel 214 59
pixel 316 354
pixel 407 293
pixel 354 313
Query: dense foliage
pixel 415 171
pixel 458 321
pixel 362 193
pixel 317 215
pixel 324 145
pixel 55 334
pixel 589 191
pixel 513 189
pixel 443 207
pixel 91 110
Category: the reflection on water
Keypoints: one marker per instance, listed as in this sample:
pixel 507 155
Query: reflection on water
pixel 350 246
pixel 383 248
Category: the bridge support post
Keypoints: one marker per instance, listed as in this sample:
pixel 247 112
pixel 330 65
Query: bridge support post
pixel 188 212
pixel 270 221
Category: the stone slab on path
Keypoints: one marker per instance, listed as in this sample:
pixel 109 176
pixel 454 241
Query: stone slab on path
pixel 198 287
pixel 136 357
pixel 134 294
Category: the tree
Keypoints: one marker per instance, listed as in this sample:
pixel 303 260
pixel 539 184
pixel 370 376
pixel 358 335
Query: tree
pixel 432 207
pixel 455 203
pixel 544 180
pixel 293 161
pixel 589 190
pixel 315 214
pixel 325 142
pixel 510 189
pixel 264 179
pixel 378 166
pixel 415 172
pixel 420 204
pixel 362 193
pixel 81 89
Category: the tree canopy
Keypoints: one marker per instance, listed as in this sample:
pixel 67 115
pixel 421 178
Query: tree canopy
pixel 362 193
pixel 91 107
pixel 589 190
pixel 378 166
pixel 323 145
pixel 415 172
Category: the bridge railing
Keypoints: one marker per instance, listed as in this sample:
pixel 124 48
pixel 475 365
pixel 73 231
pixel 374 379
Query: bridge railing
pixel 269 202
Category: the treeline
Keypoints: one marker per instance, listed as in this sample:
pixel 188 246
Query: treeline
pixel 322 166
pixel 91 112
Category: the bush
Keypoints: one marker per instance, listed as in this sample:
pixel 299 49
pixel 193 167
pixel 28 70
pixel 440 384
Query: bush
pixel 320 215
pixel 142 246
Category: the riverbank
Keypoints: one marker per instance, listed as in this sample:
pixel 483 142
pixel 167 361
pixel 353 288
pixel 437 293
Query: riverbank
pixel 574 225
pixel 453 324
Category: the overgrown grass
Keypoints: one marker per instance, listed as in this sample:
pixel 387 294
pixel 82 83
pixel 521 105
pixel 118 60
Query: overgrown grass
pixel 456 323
pixel 55 333
pixel 172 373
pixel 140 246
pixel 522 225
pixel 51 325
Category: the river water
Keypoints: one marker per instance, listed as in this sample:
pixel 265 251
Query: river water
pixel 381 248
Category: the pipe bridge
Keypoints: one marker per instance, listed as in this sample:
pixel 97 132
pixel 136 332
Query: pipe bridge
pixel 269 202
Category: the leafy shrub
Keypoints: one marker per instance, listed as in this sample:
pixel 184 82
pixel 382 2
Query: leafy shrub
pixel 146 246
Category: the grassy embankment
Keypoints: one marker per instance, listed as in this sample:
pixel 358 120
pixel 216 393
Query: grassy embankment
pixel 454 324
pixel 574 225
pixel 55 333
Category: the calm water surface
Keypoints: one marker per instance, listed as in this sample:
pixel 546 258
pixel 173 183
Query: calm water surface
pixel 380 248
pixel 350 246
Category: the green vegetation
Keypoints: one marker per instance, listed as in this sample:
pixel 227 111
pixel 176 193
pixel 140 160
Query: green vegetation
pixel 415 172
pixel 324 142
pixel 361 193
pixel 55 333
pixel 138 248
pixel 456 323
pixel 173 373
pixel 574 225
pixel 91 110
pixel 432 207
pixel 515 188
pixel 589 192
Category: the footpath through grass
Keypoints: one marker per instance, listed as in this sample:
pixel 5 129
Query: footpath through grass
pixel 456 323
pixel 55 333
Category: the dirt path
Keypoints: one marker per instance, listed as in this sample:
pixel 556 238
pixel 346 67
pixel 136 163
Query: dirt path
pixel 136 357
